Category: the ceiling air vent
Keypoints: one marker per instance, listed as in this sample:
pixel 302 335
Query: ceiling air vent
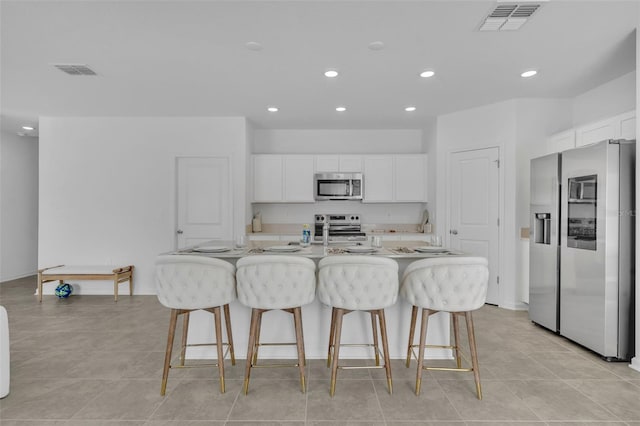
pixel 75 69
pixel 508 17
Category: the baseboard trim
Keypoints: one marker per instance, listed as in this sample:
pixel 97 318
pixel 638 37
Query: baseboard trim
pixel 17 277
pixel 635 363
pixel 519 306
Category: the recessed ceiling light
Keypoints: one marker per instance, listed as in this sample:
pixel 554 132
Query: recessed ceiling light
pixel 27 127
pixel 331 73
pixel 341 109
pixel 529 73
pixel 410 109
pixel 376 45
pixel 427 74
pixel 272 109
pixel 253 45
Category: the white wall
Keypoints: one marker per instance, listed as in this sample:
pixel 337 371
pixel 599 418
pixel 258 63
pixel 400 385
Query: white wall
pixel 108 187
pixel 18 206
pixel 612 98
pixel 488 126
pixel 518 128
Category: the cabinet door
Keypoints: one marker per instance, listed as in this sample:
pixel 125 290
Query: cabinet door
pixel 596 132
pixel 327 163
pixel 267 178
pixel 627 126
pixel 378 178
pixel 561 141
pixel 410 181
pixel 351 163
pixel 298 178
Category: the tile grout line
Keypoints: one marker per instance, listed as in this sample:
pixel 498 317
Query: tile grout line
pixel 566 382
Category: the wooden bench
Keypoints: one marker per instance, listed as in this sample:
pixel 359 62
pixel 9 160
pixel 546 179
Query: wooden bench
pixel 99 272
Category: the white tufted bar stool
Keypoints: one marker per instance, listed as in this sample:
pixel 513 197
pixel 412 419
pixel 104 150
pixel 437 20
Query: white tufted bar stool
pixel 187 283
pixel 269 282
pixel 457 285
pixel 357 283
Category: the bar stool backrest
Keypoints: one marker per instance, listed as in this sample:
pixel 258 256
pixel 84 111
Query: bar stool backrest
pixel 358 282
pixel 276 281
pixel 453 284
pixel 194 282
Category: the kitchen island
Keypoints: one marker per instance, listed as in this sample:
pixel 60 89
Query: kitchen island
pixel 316 317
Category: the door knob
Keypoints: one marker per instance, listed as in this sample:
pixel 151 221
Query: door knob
pixel 454 231
pixel 179 231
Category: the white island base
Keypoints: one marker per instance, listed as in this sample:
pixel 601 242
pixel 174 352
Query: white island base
pixel 277 326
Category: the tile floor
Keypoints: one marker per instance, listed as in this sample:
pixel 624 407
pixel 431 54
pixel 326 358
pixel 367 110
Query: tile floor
pixel 89 361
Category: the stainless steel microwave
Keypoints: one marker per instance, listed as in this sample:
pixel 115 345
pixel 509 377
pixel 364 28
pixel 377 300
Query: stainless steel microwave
pixel 338 186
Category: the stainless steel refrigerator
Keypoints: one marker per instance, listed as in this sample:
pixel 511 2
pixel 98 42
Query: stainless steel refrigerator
pixel 582 245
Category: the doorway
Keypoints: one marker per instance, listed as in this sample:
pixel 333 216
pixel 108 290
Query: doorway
pixel 474 209
pixel 204 200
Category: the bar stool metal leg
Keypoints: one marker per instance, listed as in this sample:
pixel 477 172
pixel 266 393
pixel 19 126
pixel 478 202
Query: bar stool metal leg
pixel 423 340
pixel 227 322
pixel 456 338
pixel 332 331
pixel 375 336
pixel 253 330
pixel 218 325
pixel 185 332
pixel 385 349
pixel 412 330
pixel 474 352
pixel 167 356
pixel 336 350
pixel 297 320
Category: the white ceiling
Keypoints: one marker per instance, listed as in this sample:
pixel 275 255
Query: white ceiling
pixel 179 58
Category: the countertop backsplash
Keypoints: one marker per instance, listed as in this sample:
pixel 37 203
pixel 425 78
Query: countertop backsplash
pixel 296 228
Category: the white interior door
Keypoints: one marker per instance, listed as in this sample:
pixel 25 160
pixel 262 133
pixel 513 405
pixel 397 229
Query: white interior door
pixel 204 200
pixel 474 209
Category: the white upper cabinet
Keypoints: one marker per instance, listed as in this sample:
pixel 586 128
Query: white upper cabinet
pixel 327 163
pixel 410 183
pixel 561 141
pixel 267 178
pixel 378 178
pixel 621 126
pixel 388 178
pixel 283 178
pixel 338 163
pixel 351 163
pixel 627 126
pixel 595 132
pixel 298 178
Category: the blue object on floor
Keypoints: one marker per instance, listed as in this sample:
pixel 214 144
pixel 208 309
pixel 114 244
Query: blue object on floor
pixel 64 290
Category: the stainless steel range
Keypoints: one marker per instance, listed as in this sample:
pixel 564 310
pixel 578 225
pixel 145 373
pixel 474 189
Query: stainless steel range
pixel 342 227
